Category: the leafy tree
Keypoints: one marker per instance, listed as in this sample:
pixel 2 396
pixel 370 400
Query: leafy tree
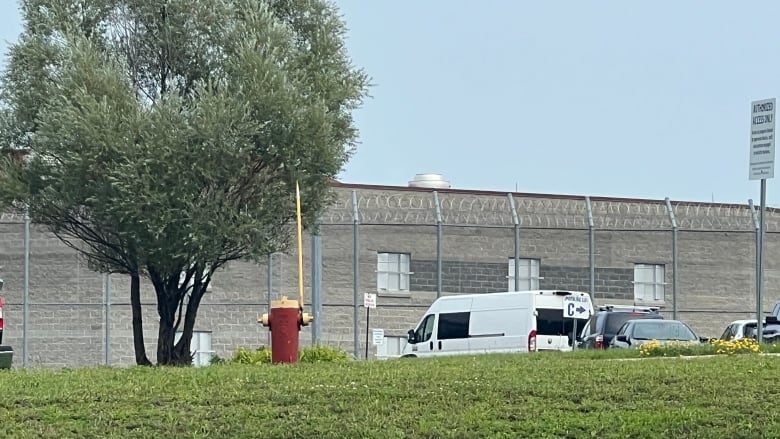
pixel 166 136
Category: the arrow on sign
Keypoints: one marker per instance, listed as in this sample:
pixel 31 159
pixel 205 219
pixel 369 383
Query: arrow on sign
pixel 581 309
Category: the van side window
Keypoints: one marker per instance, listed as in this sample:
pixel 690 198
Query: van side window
pixel 551 322
pixel 453 325
pixel 425 330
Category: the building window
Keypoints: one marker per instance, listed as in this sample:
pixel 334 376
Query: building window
pixel 392 271
pixel 649 282
pixel 529 274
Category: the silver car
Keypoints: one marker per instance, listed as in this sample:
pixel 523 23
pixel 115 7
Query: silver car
pixel 635 332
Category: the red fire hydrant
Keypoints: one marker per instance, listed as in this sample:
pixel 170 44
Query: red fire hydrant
pixel 285 322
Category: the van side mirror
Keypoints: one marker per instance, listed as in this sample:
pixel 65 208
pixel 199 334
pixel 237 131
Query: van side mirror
pixel 623 338
pixel 411 336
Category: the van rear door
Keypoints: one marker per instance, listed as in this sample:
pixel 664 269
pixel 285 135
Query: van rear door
pixel 553 332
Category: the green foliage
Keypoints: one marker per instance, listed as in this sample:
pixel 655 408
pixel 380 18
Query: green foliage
pixel 13 188
pixel 217 360
pixel 167 137
pixel 323 354
pixel 191 154
pixel 314 354
pixel 256 357
pixel 512 396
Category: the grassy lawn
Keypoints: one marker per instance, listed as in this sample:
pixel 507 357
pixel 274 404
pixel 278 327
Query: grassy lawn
pixel 535 396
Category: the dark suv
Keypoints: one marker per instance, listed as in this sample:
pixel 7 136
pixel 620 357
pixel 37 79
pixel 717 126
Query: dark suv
pixel 602 326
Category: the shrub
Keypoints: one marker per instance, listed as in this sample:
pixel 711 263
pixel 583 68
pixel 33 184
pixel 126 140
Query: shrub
pixel 654 348
pixel 323 354
pixel 315 354
pixel 216 359
pixel 730 347
pixel 246 356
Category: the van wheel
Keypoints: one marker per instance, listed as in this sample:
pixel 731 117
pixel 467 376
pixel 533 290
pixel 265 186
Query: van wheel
pixel 409 356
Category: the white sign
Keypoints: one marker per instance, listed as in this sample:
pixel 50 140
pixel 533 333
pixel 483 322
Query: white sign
pixel 378 336
pixel 369 300
pixel 762 139
pixel 576 307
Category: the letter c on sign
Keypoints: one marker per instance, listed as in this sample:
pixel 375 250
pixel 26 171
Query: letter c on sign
pixel 570 309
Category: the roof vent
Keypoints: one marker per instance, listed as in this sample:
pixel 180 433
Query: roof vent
pixel 432 181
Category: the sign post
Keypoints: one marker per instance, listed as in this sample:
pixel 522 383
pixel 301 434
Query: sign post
pixel 369 301
pixel 574 307
pixel 762 166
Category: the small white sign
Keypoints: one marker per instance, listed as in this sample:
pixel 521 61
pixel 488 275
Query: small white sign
pixel 576 307
pixel 378 336
pixel 762 139
pixel 369 300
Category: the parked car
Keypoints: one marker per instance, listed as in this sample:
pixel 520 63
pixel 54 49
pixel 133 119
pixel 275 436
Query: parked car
pixel 598 332
pixel 771 331
pixel 740 329
pixel 776 310
pixel 635 332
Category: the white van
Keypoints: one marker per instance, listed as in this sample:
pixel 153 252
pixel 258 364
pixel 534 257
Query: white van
pixel 517 321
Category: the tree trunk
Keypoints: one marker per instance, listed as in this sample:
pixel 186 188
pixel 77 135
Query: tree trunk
pixel 183 347
pixel 138 327
pixel 166 354
pixel 165 338
pixel 169 296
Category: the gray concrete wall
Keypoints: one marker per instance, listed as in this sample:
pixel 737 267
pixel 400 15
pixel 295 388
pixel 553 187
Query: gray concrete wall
pixel 716 282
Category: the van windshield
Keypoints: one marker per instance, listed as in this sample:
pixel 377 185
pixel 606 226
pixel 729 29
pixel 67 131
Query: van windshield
pixel 551 322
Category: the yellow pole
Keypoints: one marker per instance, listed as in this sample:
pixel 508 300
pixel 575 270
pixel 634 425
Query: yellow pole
pixel 300 244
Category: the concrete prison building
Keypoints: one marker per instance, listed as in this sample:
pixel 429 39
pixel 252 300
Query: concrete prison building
pixel 413 243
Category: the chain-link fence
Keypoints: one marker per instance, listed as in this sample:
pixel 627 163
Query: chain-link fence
pixel 697 261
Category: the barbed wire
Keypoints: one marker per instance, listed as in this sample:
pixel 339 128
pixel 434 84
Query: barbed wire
pixel 719 217
pixel 11 218
pixel 491 210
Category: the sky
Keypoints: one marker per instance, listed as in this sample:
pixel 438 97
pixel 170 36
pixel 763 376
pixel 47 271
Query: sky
pixel 608 98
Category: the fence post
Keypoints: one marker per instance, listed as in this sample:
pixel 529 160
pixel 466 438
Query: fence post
pixel 591 248
pixel 757 225
pixel 270 274
pixel 516 226
pixel 316 286
pixel 355 275
pixel 673 220
pixel 107 306
pixel 26 300
pixel 438 243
